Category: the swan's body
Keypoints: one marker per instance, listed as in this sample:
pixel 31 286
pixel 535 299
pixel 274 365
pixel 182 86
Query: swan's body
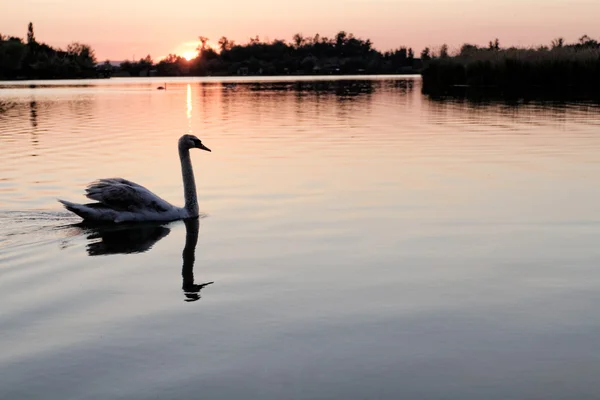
pixel 120 200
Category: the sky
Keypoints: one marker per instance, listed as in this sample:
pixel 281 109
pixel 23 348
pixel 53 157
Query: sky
pixel 128 29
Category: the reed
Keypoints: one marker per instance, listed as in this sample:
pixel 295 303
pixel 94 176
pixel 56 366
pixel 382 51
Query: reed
pixel 561 70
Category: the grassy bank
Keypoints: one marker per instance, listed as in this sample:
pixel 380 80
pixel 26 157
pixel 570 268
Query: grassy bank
pixel 562 70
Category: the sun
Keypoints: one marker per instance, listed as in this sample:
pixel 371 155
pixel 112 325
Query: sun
pixel 189 55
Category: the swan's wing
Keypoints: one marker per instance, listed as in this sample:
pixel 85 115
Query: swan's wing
pixel 121 194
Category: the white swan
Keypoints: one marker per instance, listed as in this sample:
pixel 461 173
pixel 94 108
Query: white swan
pixel 120 200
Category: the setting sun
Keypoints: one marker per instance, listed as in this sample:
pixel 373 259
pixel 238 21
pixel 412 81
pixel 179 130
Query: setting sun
pixel 189 55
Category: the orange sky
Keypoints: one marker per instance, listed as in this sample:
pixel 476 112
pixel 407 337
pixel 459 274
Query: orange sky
pixel 124 29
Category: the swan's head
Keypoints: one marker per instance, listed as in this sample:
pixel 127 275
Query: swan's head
pixel 191 142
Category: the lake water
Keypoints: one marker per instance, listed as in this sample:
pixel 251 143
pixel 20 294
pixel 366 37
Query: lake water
pixel 363 242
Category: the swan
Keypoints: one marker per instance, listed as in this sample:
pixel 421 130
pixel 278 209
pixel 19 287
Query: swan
pixel 120 200
pixel 162 87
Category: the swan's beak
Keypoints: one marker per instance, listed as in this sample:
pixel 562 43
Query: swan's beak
pixel 203 147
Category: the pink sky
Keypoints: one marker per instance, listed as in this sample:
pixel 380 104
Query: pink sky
pixel 121 29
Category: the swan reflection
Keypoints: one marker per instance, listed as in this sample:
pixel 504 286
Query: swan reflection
pixel 139 238
pixel 124 239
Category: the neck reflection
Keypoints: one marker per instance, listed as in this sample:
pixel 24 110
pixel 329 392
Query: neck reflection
pixel 191 290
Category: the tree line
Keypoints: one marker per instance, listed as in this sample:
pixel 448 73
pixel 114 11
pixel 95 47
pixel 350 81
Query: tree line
pixel 30 59
pixel 559 65
pixel 342 54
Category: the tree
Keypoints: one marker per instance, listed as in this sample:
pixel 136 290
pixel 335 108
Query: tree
pixel 30 34
pixel 587 42
pixel 12 56
pixel 126 66
pixel 401 53
pixel 468 49
pixel 81 50
pixel 444 51
pixel 146 61
pixel 82 55
pixel 299 40
pixel 426 54
pixel 172 58
pixel 225 44
pixel 340 39
pixel 558 43
pixel 173 65
pixel 495 45
pixel 209 54
pixel 203 43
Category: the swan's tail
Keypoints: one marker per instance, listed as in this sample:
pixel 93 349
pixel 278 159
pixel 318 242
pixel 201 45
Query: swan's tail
pixel 85 211
pixel 78 209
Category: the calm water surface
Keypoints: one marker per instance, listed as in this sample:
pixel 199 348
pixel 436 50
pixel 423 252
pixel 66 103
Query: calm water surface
pixel 362 240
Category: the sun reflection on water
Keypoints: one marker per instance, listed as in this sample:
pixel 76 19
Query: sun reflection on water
pixel 189 107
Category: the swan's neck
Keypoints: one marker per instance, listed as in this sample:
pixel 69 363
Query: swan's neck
pixel 189 183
